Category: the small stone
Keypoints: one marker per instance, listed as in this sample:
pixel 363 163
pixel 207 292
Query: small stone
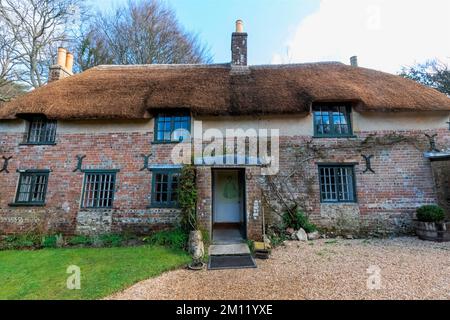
pixel 314 235
pixel 290 231
pixel 301 235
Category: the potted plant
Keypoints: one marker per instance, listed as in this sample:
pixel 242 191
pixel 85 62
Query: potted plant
pixel 187 197
pixel 431 224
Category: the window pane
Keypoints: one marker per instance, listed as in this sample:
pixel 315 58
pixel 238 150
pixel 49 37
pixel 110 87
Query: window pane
pixel 165 188
pixel 174 188
pixel 99 190
pixel 167 126
pixel 336 184
pixel 161 187
pixel 25 188
pixel 32 187
pixel 331 120
pixel 41 130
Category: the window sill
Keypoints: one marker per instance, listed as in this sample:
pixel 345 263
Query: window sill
pixel 336 137
pixel 340 202
pixel 97 209
pixel 26 204
pixel 166 142
pixel 162 207
pixel 37 144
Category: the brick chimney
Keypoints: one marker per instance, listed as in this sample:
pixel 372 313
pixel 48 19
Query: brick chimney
pixel 239 45
pixel 63 67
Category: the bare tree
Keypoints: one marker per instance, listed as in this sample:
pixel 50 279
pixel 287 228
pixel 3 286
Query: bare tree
pixel 37 27
pixel 91 50
pixel 8 60
pixel 141 32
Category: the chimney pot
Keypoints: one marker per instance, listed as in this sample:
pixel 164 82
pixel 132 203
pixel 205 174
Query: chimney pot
pixel 61 59
pixel 69 62
pixel 240 26
pixel 354 61
pixel 63 67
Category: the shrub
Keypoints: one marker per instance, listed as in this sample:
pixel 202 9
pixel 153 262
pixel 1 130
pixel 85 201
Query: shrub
pixel 22 241
pixel 53 241
pixel 276 235
pixel 110 240
pixel 49 241
pixel 430 213
pixel 298 220
pixel 80 241
pixel 176 238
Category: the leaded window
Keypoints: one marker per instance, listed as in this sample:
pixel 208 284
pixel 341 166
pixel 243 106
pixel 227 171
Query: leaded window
pixel 98 191
pixel 172 128
pixel 337 183
pixel 32 187
pixel 332 120
pixel 165 188
pixel 41 131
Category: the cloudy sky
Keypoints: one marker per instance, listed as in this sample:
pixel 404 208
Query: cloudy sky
pixel 384 34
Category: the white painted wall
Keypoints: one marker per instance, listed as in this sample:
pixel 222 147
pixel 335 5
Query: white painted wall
pixel 371 121
pixel 289 125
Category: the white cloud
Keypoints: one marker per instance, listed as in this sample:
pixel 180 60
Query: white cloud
pixel 384 34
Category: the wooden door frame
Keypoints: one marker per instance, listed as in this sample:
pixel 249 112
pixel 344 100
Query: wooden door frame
pixel 243 189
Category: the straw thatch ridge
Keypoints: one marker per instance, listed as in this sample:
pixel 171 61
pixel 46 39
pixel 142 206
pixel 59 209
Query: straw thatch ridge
pixel 135 92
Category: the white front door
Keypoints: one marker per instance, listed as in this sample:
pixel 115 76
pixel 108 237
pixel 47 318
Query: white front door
pixel 227 197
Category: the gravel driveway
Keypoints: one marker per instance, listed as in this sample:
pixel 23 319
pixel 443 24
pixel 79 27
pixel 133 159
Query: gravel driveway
pixel 323 269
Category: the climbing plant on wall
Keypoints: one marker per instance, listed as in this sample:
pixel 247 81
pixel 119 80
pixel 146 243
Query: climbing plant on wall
pixel 187 198
pixel 292 188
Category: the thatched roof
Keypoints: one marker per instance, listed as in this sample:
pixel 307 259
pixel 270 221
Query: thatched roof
pixel 134 92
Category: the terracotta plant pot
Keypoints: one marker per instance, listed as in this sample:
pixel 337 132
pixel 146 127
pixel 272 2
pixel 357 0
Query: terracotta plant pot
pixel 433 231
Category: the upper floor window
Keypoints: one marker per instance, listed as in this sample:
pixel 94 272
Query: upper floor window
pixel 332 120
pixel 98 189
pixel 41 131
pixel 165 188
pixel 32 187
pixel 172 127
pixel 337 183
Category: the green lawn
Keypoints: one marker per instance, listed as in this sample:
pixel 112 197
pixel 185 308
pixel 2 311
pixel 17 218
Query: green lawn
pixel 42 274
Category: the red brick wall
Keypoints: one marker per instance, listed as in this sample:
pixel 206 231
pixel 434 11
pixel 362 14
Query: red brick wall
pixel 386 200
pixel 103 151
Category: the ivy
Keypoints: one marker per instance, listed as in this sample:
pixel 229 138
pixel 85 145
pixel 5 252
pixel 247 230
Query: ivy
pixel 187 198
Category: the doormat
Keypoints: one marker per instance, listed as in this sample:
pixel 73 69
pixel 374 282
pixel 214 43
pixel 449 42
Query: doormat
pixel 231 262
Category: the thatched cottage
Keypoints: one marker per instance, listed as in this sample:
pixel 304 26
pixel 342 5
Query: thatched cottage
pixel 92 152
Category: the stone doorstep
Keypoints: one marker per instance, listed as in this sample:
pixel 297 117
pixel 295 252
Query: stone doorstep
pixel 229 249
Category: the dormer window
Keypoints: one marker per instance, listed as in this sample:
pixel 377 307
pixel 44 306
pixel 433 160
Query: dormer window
pixel 332 120
pixel 172 127
pixel 41 131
